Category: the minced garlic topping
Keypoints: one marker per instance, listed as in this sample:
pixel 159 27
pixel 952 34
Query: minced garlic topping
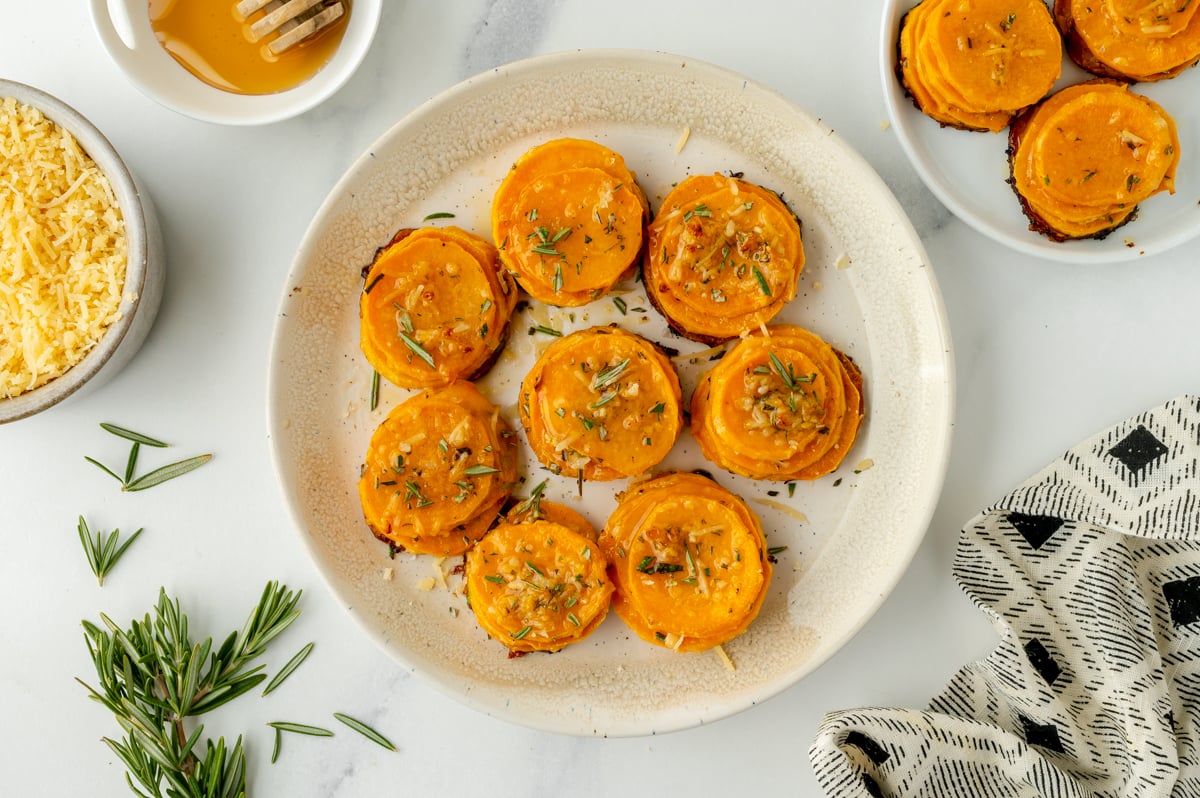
pixel 62 250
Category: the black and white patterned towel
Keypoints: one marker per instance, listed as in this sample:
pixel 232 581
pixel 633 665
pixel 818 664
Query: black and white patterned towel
pixel 1090 573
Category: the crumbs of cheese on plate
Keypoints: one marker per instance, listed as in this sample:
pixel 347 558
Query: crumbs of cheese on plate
pixel 63 250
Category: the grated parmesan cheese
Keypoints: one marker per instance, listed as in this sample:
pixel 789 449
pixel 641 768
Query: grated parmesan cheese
pixel 62 250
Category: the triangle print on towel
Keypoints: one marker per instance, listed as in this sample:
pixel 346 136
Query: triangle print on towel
pixel 1090 573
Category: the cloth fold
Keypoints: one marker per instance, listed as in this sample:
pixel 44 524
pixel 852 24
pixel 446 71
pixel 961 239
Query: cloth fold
pixel 1090 574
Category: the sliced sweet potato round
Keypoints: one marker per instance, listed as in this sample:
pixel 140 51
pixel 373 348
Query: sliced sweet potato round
pixel 780 406
pixel 975 65
pixel 438 470
pixel 435 307
pixel 723 256
pixel 537 586
pixel 603 403
pixel 1131 41
pixel 569 221
pixel 1084 158
pixel 688 560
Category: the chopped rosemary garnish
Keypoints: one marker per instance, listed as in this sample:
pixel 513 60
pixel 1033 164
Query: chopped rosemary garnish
pixel 521 634
pixel 418 350
pixel 762 281
pixel 558 277
pixel 374 389
pixel 480 470
pixel 620 303
pixel 365 731
pixel 545 249
pixel 287 669
pixel 658 409
pixel 495 579
pixel 544 330
pixel 776 550
pixel 608 376
pixel 533 504
pixel 102 550
pixel 153 678
pixel 438 215
pixel 699 210
pixel 603 400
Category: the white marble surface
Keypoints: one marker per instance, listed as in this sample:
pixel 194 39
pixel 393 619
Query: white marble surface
pixel 1045 354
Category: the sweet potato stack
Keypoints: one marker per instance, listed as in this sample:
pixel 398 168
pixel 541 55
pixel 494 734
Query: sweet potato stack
pixel 1138 40
pixel 688 560
pixel 780 406
pixel 1083 159
pixel 976 65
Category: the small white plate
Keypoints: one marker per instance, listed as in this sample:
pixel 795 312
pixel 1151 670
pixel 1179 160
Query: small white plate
pixel 969 171
pixel 866 288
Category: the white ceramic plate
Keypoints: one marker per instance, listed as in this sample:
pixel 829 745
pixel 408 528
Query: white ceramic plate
pixel 968 171
pixel 866 288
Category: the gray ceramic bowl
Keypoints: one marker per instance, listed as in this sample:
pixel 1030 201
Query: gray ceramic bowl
pixel 143 274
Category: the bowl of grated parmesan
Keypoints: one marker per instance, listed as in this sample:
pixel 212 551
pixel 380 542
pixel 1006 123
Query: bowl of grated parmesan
pixel 81 255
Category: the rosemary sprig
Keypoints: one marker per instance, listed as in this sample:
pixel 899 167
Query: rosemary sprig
pixel 153 678
pixel 365 731
pixel 102 550
pixel 155 477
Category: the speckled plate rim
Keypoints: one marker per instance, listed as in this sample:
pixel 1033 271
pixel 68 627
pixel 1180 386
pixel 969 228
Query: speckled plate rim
pixel 626 687
pixel 967 171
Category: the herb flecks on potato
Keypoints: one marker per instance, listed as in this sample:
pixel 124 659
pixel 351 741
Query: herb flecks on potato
pixel 435 307
pixel 689 562
pixel 569 220
pixel 723 256
pixel 603 403
pixel 1085 157
pixel 780 406
pixel 975 65
pixel 438 471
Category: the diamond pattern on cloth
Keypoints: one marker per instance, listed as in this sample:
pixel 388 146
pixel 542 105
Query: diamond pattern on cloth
pixel 1090 573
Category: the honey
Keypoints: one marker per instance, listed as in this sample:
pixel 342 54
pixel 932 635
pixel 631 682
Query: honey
pixel 208 40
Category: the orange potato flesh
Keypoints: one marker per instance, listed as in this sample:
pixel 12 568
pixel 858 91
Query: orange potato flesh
pixel 434 295
pixel 537 586
pixel 1157 19
pixel 997 55
pixel 781 407
pixel 919 81
pixel 579 235
pixel 437 471
pixel 689 562
pixel 1102 39
pixel 568 219
pixel 603 402
pixel 723 256
pixel 1084 158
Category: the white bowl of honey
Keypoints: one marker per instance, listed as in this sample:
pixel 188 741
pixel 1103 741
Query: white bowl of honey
pixel 196 57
